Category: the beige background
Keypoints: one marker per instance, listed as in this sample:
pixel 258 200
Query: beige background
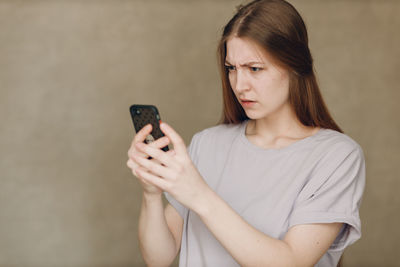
pixel 69 70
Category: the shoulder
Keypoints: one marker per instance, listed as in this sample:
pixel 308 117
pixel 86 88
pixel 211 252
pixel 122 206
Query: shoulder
pixel 335 165
pixel 333 150
pixel 333 142
pixel 216 139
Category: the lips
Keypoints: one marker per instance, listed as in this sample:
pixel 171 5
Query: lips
pixel 243 100
pixel 247 103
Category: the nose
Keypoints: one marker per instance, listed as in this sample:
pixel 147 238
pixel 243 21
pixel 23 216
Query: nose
pixel 241 81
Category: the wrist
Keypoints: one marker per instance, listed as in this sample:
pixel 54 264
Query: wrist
pixel 205 202
pixel 152 197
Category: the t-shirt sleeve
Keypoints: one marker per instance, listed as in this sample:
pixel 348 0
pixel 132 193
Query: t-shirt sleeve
pixel 192 150
pixel 334 194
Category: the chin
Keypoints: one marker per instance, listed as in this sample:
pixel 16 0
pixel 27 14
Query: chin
pixel 254 115
pixel 261 113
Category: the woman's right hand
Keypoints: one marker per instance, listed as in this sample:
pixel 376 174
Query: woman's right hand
pixel 139 138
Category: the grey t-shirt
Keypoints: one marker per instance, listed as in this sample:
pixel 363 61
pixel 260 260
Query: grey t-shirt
pixel 319 179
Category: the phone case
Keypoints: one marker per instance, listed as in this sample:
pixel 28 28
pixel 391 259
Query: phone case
pixel 143 115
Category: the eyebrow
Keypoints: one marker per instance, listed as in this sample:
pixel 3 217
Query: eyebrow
pixel 245 64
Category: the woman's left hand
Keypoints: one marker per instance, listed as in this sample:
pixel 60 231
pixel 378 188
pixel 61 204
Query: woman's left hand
pixel 173 172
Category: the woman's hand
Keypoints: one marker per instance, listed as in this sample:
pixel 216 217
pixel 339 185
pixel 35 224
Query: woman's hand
pixel 174 172
pixel 133 152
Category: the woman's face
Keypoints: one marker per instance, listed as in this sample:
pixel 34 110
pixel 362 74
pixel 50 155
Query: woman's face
pixel 260 85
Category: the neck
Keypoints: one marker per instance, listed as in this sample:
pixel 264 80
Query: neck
pixel 280 124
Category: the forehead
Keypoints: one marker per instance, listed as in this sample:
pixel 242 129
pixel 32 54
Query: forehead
pixel 242 50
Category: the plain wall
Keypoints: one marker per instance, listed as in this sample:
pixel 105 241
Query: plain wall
pixel 69 70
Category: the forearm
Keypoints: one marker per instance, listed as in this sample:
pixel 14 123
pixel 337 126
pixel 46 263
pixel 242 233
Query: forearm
pixel 157 243
pixel 246 244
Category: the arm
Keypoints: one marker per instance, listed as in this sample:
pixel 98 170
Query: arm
pixel 160 229
pixel 302 246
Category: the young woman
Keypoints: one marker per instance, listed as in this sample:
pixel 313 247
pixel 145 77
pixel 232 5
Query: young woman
pixel 277 183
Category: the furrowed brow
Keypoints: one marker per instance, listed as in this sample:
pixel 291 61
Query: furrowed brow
pixel 251 63
pixel 246 64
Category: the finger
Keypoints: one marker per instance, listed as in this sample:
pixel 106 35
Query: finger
pixel 140 138
pixel 155 153
pixel 161 142
pixel 132 165
pixel 176 139
pixel 171 152
pixel 152 179
pixel 142 134
pixel 153 167
pixel 134 151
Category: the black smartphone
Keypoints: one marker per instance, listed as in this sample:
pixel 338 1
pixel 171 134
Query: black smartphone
pixel 143 115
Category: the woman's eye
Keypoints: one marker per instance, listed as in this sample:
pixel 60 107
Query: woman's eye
pixel 255 69
pixel 230 67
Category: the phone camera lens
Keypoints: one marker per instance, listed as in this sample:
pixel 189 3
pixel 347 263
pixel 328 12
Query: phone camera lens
pixel 138 112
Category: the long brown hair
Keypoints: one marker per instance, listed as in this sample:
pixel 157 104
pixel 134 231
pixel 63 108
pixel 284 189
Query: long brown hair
pixel 279 29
